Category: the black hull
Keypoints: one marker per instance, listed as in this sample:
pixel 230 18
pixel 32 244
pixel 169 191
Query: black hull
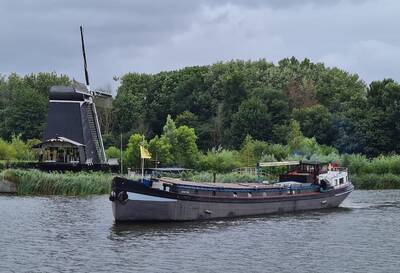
pixel 148 204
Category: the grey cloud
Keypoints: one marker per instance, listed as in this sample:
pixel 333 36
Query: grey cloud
pixel 150 36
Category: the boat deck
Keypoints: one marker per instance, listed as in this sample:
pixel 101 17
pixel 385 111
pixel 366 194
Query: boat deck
pixel 180 182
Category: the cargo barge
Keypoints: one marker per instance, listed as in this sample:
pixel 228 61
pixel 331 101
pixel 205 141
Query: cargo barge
pixel 305 186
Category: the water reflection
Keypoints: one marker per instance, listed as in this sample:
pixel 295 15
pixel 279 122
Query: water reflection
pixel 168 228
pixel 137 229
pixel 65 234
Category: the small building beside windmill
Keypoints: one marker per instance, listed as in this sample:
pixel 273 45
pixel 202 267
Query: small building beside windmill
pixel 72 137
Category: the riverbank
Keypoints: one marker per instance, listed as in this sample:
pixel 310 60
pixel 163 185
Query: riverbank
pixel 35 182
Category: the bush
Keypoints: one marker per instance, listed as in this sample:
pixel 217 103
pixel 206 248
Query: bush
pixel 385 164
pixel 360 164
pixel 17 150
pixel 113 152
pixel 23 150
pixel 356 163
pixel 7 152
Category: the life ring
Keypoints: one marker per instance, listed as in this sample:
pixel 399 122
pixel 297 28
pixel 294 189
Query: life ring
pixel 113 196
pixel 123 197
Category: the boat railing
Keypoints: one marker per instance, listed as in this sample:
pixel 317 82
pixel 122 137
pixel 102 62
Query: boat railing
pixel 251 171
pixel 339 169
pixel 299 188
pixel 245 170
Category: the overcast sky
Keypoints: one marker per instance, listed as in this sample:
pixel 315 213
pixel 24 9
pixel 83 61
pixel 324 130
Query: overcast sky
pixel 360 36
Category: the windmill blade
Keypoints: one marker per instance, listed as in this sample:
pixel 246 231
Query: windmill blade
pixel 84 60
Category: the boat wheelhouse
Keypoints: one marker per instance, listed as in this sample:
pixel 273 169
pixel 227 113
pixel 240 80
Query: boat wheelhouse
pixel 304 186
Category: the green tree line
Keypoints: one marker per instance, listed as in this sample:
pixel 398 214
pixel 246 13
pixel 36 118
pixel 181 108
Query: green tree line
pixel 225 102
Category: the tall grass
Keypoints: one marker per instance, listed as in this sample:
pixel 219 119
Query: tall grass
pixel 360 164
pixel 381 172
pixel 34 182
pixel 376 181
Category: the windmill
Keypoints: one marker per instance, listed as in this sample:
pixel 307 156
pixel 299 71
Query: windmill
pixel 72 137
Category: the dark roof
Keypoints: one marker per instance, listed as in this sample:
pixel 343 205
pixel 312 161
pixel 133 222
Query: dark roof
pixel 58 139
pixel 66 93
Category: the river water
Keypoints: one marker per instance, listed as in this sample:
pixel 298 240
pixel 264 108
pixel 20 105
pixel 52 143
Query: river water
pixel 69 234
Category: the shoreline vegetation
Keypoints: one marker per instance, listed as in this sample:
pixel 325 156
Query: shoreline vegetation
pixel 177 146
pixel 35 182
pixel 379 174
pixel 216 118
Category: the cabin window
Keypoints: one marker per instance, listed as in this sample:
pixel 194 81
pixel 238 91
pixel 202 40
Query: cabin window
pixel 249 194
pixel 341 181
pixel 336 182
pixel 196 191
pixel 214 193
pixel 234 194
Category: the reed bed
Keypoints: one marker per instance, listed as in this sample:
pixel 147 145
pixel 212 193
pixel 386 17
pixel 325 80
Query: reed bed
pixel 360 164
pixel 376 181
pixel 34 182
pixel 378 173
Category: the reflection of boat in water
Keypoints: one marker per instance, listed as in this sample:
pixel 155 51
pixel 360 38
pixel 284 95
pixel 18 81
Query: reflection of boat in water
pixel 305 186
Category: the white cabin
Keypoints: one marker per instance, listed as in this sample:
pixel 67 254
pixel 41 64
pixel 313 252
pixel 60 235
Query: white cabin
pixel 335 177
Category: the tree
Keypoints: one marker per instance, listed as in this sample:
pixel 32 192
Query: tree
pixel 160 150
pixel 316 121
pixel 25 114
pixel 219 161
pixel 295 137
pixel 224 101
pixel 259 116
pixel 382 124
pixel 41 82
pixel 247 152
pixel 169 132
pixel 185 152
pixel 252 119
pixel 131 103
pixel 23 103
pixel 132 153
pixel 186 118
pixel 301 94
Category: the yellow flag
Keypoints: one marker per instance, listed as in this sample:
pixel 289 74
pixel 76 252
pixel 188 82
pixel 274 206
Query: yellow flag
pixel 144 153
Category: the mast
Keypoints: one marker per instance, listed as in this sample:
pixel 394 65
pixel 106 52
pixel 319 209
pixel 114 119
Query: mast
pixel 84 60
